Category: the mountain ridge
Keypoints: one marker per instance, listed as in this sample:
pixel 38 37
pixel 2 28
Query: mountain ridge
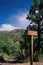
pixel 15 34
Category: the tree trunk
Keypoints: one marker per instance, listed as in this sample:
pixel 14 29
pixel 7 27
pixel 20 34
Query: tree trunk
pixel 39 38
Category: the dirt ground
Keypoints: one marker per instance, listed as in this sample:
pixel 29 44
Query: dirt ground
pixel 38 63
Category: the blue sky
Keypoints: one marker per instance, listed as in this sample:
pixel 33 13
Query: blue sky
pixel 13 14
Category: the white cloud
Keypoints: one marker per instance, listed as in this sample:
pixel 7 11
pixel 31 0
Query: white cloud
pixel 7 27
pixel 23 21
pixel 19 20
pixel 16 21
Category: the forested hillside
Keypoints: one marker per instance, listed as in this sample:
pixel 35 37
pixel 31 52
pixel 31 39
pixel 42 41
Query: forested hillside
pixel 16 43
pixel 14 34
pixel 9 42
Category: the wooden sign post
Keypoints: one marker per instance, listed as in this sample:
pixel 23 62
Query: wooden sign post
pixel 32 33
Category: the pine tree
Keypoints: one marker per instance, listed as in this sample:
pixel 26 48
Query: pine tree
pixel 36 16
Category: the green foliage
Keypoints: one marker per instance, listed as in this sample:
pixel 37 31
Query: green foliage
pixel 27 59
pixel 35 3
pixel 33 15
pixel 4 57
pixel 36 16
pixel 9 47
pixel 25 48
pixel 41 57
pixel 8 41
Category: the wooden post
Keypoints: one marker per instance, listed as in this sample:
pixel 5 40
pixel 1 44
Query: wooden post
pixel 32 33
pixel 31 50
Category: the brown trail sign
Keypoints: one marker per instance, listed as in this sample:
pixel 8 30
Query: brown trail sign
pixel 32 33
